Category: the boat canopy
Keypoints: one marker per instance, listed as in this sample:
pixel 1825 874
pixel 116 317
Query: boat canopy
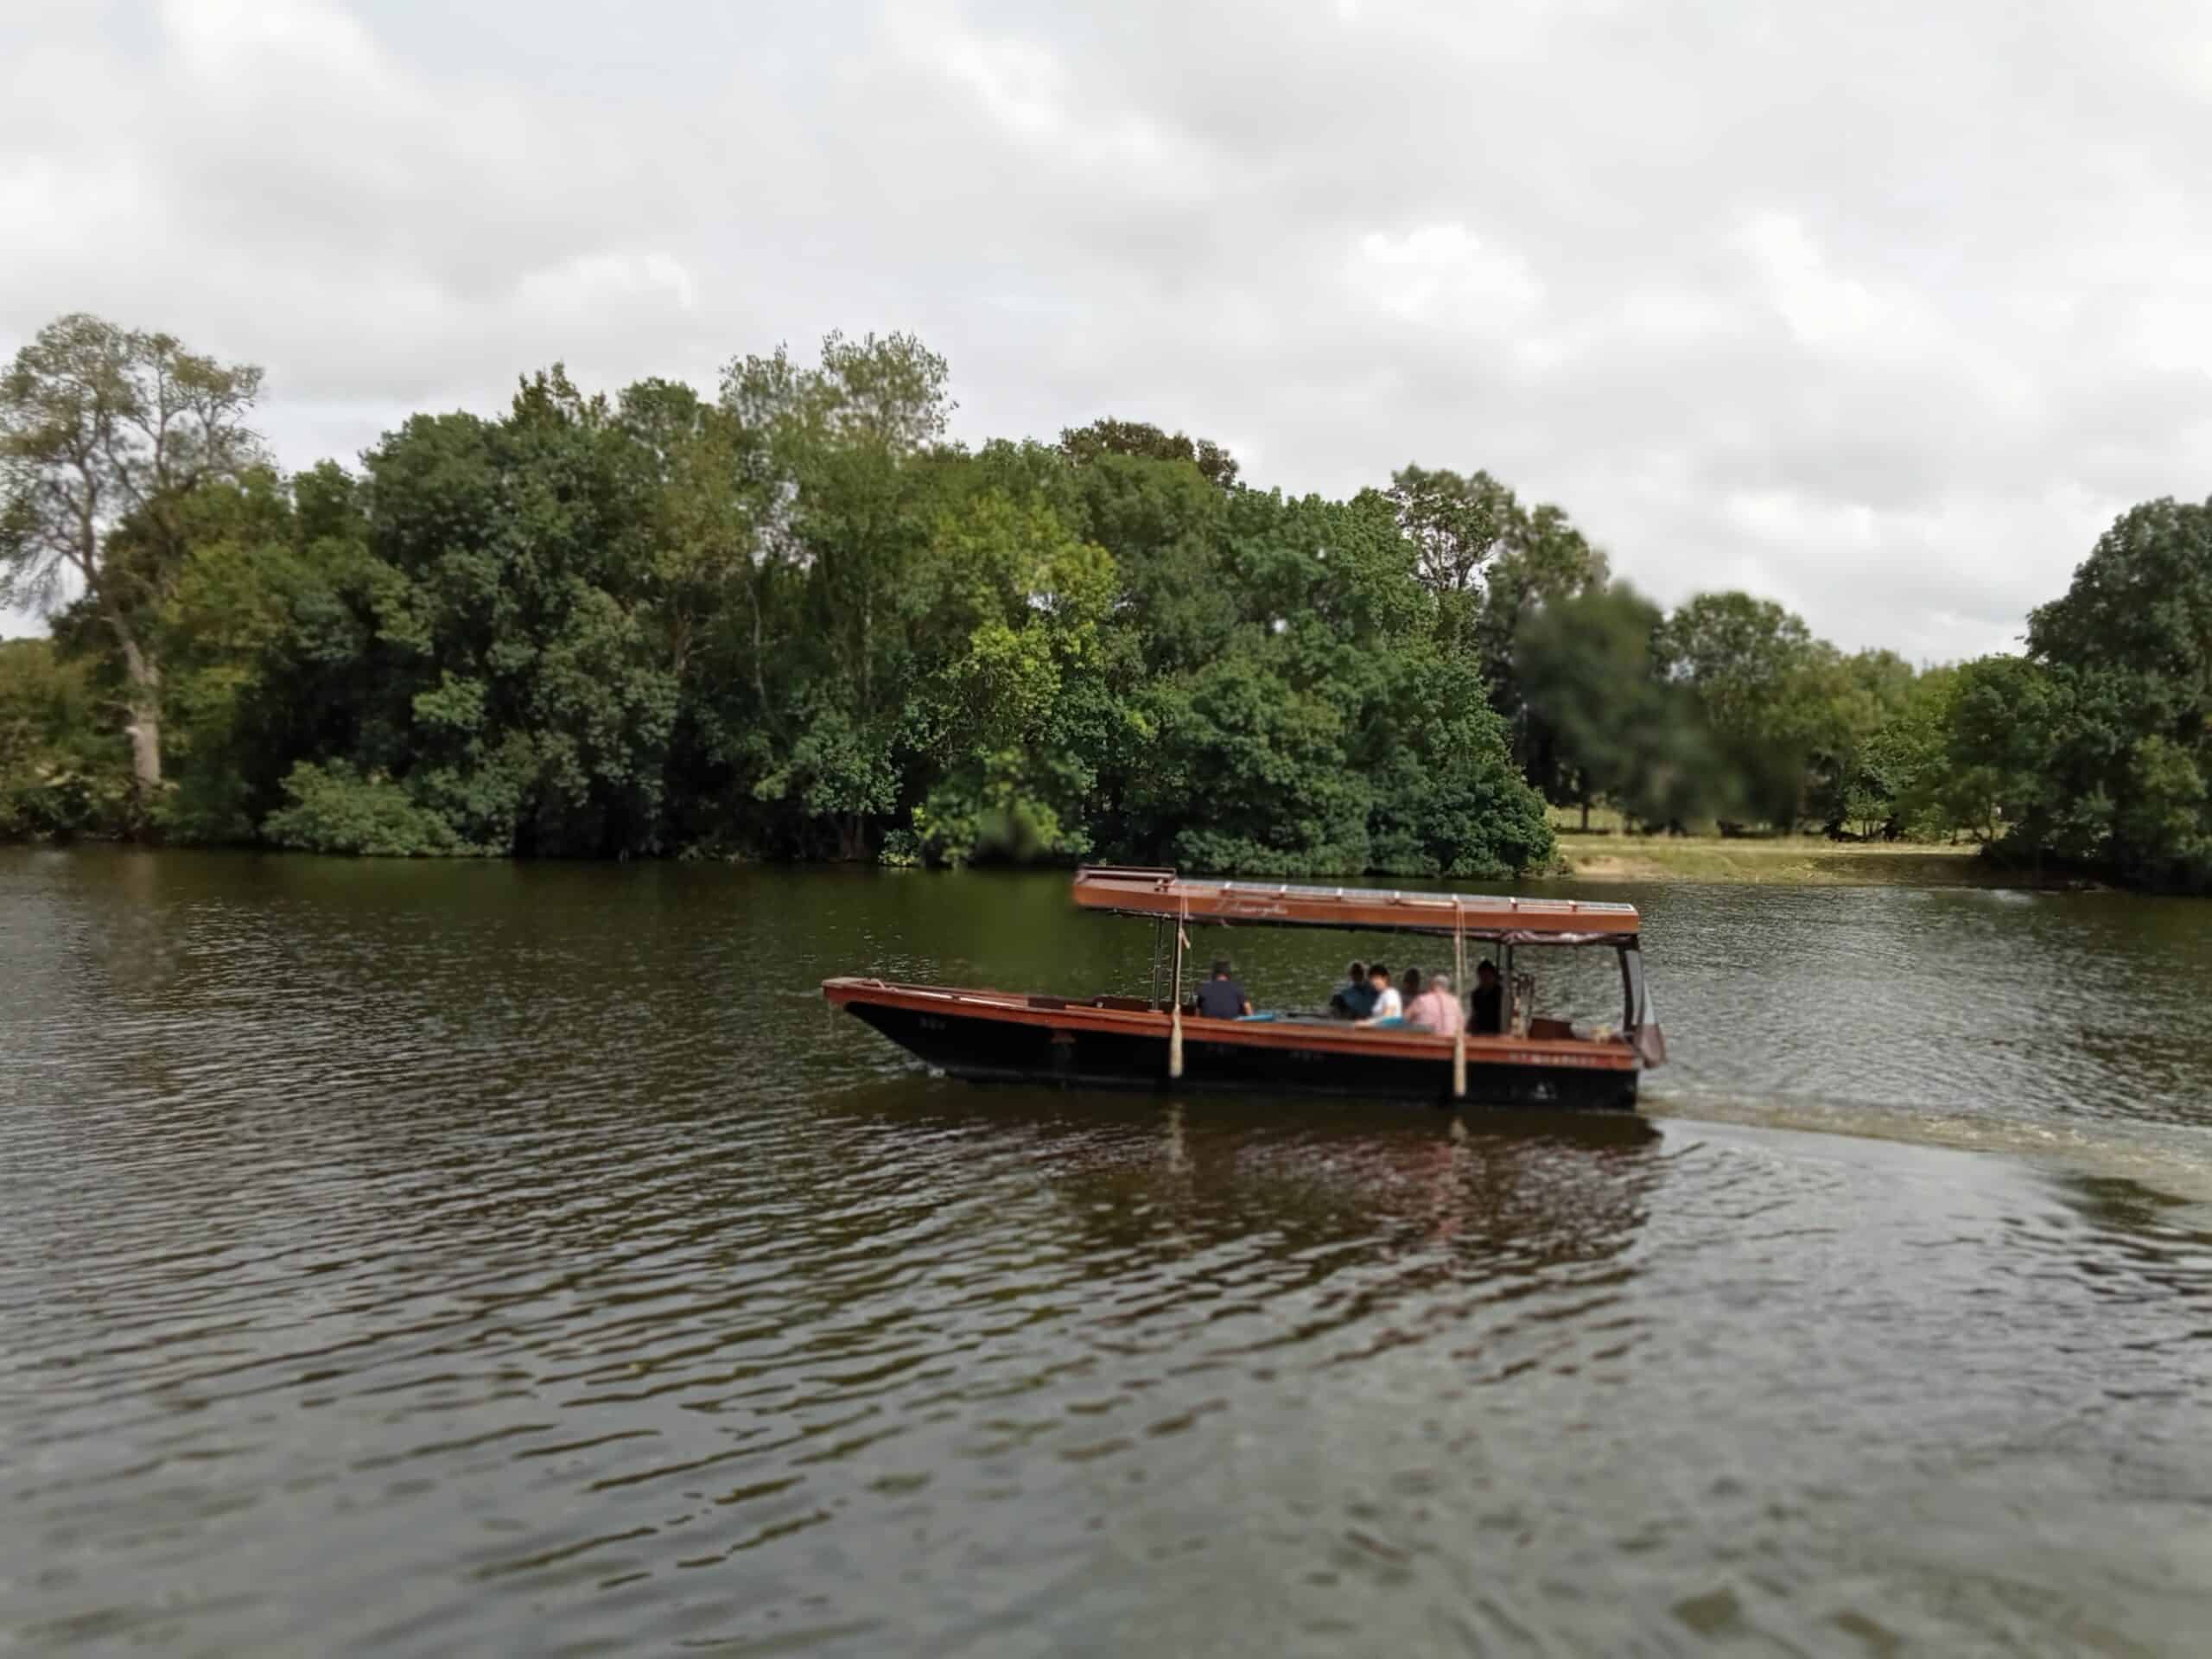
pixel 1124 891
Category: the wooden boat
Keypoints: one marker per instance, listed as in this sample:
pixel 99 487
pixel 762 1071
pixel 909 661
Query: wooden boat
pixel 1128 1042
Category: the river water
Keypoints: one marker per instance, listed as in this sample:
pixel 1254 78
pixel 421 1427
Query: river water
pixel 488 1258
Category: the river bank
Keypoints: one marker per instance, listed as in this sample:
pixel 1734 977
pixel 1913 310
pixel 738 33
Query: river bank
pixel 1790 861
pixel 1794 860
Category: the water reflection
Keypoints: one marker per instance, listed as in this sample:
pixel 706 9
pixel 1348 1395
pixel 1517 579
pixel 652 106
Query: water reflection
pixel 403 1259
pixel 1554 1187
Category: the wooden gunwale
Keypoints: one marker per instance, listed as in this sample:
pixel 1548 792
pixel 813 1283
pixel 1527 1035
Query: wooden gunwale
pixel 1014 1007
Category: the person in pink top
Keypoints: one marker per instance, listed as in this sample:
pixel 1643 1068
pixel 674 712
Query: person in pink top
pixel 1436 1008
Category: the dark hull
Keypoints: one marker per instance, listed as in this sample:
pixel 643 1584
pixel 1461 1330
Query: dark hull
pixel 985 1049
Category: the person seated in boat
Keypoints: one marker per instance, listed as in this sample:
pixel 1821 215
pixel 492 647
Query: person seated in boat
pixel 1436 1009
pixel 1355 999
pixel 1408 988
pixel 1222 997
pixel 1390 1008
pixel 1489 1001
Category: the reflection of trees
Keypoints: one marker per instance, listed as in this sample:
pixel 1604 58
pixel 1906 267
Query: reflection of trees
pixel 2139 1238
pixel 1323 1216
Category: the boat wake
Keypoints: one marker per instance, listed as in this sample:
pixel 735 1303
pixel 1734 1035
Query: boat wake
pixel 2175 1160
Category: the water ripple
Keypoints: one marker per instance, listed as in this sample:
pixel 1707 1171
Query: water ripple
pixel 493 1259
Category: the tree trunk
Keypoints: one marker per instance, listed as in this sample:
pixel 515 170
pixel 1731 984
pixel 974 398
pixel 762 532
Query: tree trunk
pixel 868 653
pixel 760 679
pixel 143 728
pixel 1586 815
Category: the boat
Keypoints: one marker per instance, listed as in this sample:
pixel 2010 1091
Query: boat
pixel 1160 1042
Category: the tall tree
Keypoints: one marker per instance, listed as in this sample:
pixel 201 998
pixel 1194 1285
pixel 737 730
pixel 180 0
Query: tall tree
pixel 849 442
pixel 1753 665
pixel 2127 654
pixel 1456 523
pixel 1141 438
pixel 1489 561
pixel 103 431
pixel 1542 561
pixel 62 771
pixel 1604 720
pixel 1842 706
pixel 1011 709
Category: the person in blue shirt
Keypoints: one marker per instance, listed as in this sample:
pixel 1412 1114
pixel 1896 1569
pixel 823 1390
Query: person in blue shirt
pixel 1222 997
pixel 1355 999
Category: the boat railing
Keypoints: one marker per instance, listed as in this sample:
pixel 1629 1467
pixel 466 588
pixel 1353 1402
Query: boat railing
pixel 1447 903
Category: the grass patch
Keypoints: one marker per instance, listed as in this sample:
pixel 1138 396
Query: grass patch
pixel 1792 861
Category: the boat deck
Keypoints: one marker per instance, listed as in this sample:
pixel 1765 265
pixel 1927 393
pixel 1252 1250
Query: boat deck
pixel 1550 1043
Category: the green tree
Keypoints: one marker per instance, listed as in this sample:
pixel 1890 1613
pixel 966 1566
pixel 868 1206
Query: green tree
pixel 849 444
pixel 1903 767
pixel 105 432
pixel 1329 731
pixel 1456 523
pixel 1447 798
pixel 2122 672
pixel 1010 718
pixel 1166 528
pixel 1757 673
pixel 225 631
pixel 506 677
pixel 1543 560
pixel 1846 704
pixel 1491 563
pixel 791 619
pixel 1606 721
pixel 64 771
pixel 2004 713
pixel 1083 444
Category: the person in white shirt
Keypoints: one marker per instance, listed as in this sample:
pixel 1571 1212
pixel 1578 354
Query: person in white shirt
pixel 1388 1005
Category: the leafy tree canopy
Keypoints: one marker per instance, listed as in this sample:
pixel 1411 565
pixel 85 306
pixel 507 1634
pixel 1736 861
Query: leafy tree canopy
pixel 792 619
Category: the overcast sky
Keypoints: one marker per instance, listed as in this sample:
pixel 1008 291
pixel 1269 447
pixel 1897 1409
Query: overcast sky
pixel 1882 309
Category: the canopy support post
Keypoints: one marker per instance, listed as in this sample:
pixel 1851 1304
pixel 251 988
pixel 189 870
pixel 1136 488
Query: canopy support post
pixel 1175 1019
pixel 1460 990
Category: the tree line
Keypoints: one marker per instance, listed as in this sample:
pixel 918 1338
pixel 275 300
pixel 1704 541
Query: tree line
pixel 793 619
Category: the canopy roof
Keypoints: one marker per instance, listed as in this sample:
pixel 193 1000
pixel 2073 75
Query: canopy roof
pixel 1127 892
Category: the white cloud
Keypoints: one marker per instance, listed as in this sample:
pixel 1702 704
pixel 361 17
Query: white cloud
pixel 1848 307
pixel 591 285
pixel 1443 276
pixel 1824 310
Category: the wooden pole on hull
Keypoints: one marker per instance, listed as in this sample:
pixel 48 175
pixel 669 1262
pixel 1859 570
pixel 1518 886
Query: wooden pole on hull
pixel 1175 1019
pixel 1460 990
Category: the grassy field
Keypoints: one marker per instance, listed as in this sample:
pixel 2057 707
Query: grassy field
pixel 1794 859
pixel 1797 860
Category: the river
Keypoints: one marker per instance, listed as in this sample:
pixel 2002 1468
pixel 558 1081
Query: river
pixel 499 1258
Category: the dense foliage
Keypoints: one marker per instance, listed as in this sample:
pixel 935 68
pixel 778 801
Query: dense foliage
pixel 793 620
pixel 2099 743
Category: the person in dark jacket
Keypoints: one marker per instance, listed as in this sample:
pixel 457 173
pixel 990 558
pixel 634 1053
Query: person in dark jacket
pixel 1355 1000
pixel 1489 1001
pixel 1222 997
